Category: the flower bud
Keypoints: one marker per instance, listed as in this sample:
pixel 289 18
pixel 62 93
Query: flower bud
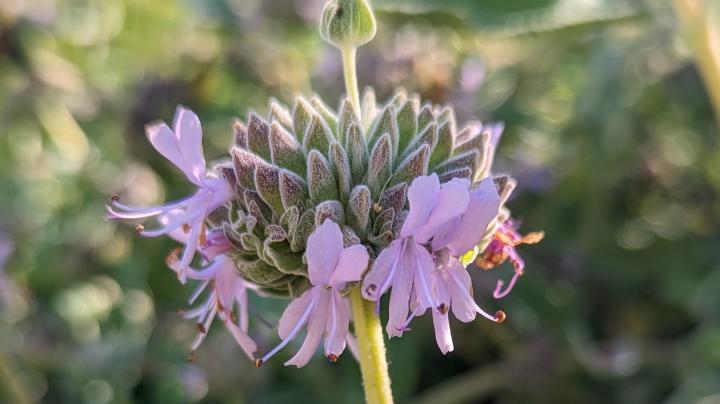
pixel 347 23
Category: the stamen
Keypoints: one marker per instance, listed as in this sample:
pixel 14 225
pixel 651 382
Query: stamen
pixel 370 289
pixel 470 299
pixel 406 325
pixel 203 232
pixel 393 269
pixel 533 237
pixel 333 358
pixel 173 257
pixel 500 316
pixel 139 229
pixel 423 284
pixel 443 308
pixel 293 332
pixel 258 363
pixel 201 328
pixel 198 290
pixel 192 357
pixel 333 322
pixel 114 198
pixel 498 293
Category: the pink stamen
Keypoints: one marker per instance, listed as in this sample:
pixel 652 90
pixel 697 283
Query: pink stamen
pixel 498 293
pixel 470 299
pixel 301 322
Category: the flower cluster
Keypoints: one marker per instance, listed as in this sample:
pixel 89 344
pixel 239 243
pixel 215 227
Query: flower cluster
pixel 422 266
pixel 313 203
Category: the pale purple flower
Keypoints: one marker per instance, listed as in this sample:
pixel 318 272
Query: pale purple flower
pixel 454 292
pixel 421 266
pixel 322 309
pixel 182 145
pixel 228 292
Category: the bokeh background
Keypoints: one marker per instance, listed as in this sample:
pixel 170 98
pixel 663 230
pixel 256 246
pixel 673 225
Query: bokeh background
pixel 610 131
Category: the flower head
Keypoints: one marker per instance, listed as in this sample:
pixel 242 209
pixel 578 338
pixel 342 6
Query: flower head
pixel 182 145
pixel 501 247
pixel 322 309
pixel 308 195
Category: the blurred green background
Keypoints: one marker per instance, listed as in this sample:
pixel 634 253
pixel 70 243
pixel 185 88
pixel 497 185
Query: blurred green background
pixel 610 132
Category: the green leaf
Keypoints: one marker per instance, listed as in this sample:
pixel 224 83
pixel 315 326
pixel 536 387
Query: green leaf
pixel 321 181
pixel 359 206
pixel 286 151
pixel 259 136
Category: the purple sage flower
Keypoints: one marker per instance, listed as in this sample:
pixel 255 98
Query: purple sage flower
pixel 322 309
pixel 228 291
pixel 422 266
pixel 182 145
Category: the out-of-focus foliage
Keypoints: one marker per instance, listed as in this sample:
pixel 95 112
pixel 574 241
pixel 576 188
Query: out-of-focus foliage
pixel 512 17
pixel 609 132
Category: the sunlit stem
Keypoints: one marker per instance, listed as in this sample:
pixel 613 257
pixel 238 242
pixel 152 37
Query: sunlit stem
pixel 350 73
pixel 373 363
pixel 702 29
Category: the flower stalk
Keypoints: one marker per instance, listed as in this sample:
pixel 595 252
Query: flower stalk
pixel 698 21
pixel 347 25
pixel 373 364
pixel 351 85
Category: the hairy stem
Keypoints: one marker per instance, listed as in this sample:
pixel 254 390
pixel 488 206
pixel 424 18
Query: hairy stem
pixel 351 86
pixel 371 345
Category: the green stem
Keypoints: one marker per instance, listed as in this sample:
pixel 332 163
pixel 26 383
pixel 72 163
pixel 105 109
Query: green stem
pixel 371 345
pixel 351 86
pixel 14 390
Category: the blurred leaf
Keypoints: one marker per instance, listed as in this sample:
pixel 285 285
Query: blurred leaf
pixel 517 17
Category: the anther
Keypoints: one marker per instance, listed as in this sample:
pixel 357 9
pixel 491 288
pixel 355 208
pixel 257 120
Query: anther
pixel 192 358
pixel 332 358
pixel 371 289
pixel 114 198
pixel 258 363
pixel 139 229
pixel 203 238
pixel 500 316
pixel 201 328
pixel 173 257
pixel 443 308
